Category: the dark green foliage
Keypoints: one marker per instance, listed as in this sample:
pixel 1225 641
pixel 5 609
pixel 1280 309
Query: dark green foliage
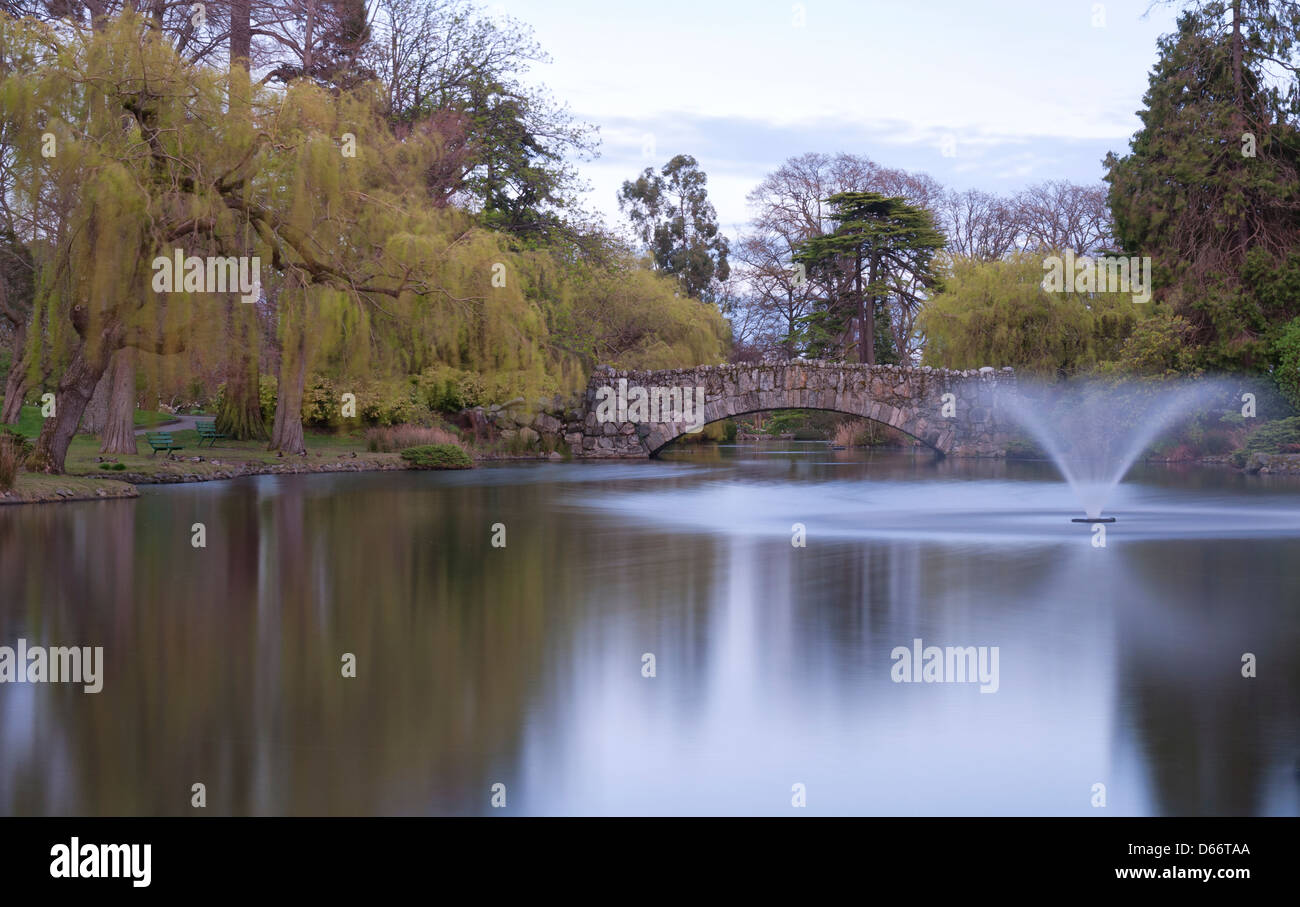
pixel 1218 221
pixel 438 456
pixel 1287 370
pixel 878 259
pixel 1280 436
pixel 1024 450
pixel 672 214
pixel 449 67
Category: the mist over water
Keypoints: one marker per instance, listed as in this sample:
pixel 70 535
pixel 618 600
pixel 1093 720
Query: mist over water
pixel 1095 432
pixel 523 666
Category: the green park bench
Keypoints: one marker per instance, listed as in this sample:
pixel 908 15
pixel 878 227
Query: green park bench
pixel 161 440
pixel 208 432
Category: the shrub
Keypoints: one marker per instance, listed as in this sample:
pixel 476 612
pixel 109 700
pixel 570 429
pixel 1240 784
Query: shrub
pixel 785 421
pixel 1157 347
pixel 1218 443
pixel 1287 371
pixel 320 404
pixel 1024 450
pixel 268 388
pixel 437 456
pixel 14 449
pixel 445 389
pixel 844 434
pixel 516 442
pixel 1282 436
pixel 384 439
pixel 390 402
pixel 711 433
pixel 866 433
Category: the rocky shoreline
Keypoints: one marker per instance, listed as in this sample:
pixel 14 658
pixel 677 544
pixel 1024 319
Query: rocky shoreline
pixel 1273 464
pixel 261 469
pixel 123 484
pixel 70 488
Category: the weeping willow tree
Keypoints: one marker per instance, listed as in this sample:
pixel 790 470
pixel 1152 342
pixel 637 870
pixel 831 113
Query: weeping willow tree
pixel 629 317
pixel 998 313
pixel 15 308
pixel 240 413
pixel 108 118
pixel 159 163
pixel 364 269
pixel 166 172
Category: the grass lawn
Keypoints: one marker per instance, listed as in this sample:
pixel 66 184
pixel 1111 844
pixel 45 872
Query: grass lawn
pixel 29 420
pixel 146 419
pixel 36 487
pixel 83 453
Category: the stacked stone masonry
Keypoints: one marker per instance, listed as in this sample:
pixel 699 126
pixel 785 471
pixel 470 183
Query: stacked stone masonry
pixel 910 399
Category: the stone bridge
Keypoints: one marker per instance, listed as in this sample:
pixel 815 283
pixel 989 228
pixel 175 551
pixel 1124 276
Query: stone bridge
pixel 614 419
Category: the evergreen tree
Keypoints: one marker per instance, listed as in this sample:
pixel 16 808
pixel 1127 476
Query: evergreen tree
pixel 885 247
pixel 1211 187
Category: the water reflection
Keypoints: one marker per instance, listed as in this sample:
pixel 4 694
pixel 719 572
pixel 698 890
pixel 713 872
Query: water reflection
pixel 523 665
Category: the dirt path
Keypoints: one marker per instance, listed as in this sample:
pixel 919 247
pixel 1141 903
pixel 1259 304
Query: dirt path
pixel 180 423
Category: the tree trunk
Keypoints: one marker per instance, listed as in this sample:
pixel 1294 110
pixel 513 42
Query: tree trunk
pixel 1236 64
pixel 1239 110
pixel 16 383
pixel 241 34
pixel 287 435
pixel 75 389
pixel 892 335
pixel 15 391
pixel 240 415
pixel 866 317
pixel 96 414
pixel 119 427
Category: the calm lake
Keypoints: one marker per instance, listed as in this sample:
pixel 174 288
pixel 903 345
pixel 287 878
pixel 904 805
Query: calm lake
pixel 773 664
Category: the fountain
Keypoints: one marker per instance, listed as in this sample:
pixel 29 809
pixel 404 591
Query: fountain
pixel 1094 432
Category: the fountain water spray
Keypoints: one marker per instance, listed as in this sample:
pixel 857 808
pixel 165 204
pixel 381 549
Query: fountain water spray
pixel 1094 432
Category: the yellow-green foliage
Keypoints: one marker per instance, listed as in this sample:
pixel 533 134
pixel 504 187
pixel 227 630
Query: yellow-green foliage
pixel 98 185
pixel 629 317
pixel 997 313
pixel 368 281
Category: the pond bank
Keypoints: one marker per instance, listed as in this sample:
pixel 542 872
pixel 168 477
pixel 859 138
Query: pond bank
pixel 34 488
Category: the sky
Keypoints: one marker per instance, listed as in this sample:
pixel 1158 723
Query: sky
pixel 987 94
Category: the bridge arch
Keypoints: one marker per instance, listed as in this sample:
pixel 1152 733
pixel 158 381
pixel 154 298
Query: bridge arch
pixel 909 426
pixel 953 412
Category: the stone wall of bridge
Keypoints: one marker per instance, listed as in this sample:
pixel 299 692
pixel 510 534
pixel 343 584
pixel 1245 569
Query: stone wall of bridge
pixel 972 422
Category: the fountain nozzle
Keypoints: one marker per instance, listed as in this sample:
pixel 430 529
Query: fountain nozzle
pixel 1093 519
